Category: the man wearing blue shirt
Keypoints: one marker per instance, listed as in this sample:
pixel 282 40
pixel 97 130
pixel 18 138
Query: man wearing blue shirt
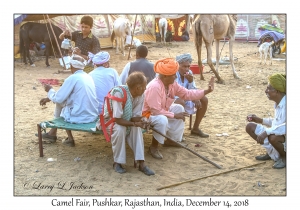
pixel 185 78
pixel 75 101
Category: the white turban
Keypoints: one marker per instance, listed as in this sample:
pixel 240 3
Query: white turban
pixel 77 62
pixel 99 58
pixel 184 57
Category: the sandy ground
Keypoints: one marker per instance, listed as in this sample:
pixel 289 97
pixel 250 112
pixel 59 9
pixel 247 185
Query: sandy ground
pixel 93 174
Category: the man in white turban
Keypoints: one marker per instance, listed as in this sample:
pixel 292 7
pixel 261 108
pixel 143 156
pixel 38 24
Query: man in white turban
pixel 75 101
pixel 105 78
pixel 185 78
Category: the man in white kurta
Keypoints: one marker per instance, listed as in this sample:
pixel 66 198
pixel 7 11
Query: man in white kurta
pixel 75 101
pixel 105 78
pixel 271 132
pixel 185 78
pixel 134 138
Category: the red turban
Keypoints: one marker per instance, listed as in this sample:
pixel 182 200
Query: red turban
pixel 167 66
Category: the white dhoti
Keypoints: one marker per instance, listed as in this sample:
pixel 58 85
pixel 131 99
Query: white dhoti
pixel 134 140
pixel 171 127
pixel 58 109
pixel 272 152
pixel 190 107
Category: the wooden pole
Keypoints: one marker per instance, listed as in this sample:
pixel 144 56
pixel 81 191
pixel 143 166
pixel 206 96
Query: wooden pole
pixel 195 153
pixel 176 184
pixel 132 37
pixel 56 42
pixel 39 129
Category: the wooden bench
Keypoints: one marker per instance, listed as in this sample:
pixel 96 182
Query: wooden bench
pixel 59 123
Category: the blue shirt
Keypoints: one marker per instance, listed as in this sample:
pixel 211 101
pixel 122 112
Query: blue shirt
pixel 105 79
pixel 78 95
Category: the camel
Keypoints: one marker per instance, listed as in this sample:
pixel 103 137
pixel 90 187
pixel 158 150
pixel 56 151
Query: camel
pixel 210 28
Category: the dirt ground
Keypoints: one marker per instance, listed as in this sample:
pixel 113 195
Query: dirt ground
pixel 93 174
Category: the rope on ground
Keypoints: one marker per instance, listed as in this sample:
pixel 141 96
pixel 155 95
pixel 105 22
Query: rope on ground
pixel 179 183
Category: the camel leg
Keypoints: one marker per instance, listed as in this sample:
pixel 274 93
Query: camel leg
pixel 198 47
pixel 231 59
pixel 210 63
pixel 217 55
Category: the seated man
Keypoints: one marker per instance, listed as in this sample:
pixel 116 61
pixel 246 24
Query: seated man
pixel 272 137
pixel 105 78
pixel 123 121
pixel 185 35
pixel 185 78
pixel 75 101
pixel 166 116
pixel 140 64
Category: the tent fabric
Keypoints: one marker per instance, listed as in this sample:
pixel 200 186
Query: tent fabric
pixel 34 17
pixel 18 20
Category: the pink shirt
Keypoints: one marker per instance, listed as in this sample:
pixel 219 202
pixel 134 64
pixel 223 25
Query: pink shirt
pixel 158 102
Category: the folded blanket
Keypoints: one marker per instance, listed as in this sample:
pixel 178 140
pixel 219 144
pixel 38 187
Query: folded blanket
pixel 271 28
pixel 275 35
pixel 50 81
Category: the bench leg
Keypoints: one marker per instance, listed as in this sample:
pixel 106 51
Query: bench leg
pixel 191 118
pixel 39 129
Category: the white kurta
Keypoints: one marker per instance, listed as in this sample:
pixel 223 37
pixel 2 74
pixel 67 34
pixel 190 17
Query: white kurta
pixel 276 125
pixel 170 127
pixel 105 79
pixel 76 99
pixel 134 138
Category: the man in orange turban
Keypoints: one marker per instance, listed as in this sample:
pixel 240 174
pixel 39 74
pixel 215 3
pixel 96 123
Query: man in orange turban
pixel 167 117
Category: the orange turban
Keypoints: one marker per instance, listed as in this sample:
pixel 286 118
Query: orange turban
pixel 167 66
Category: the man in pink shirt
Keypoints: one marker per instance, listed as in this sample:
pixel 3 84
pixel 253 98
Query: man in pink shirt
pixel 166 116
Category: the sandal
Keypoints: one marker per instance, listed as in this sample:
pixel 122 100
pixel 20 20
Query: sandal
pixel 69 143
pixel 46 136
pixel 146 170
pixel 156 154
pixel 118 168
pixel 199 133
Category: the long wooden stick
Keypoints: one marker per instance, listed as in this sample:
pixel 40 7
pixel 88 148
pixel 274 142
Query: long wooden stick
pixel 224 172
pixel 195 153
pixel 132 37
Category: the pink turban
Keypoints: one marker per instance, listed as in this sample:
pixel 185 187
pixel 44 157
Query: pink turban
pixel 167 66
